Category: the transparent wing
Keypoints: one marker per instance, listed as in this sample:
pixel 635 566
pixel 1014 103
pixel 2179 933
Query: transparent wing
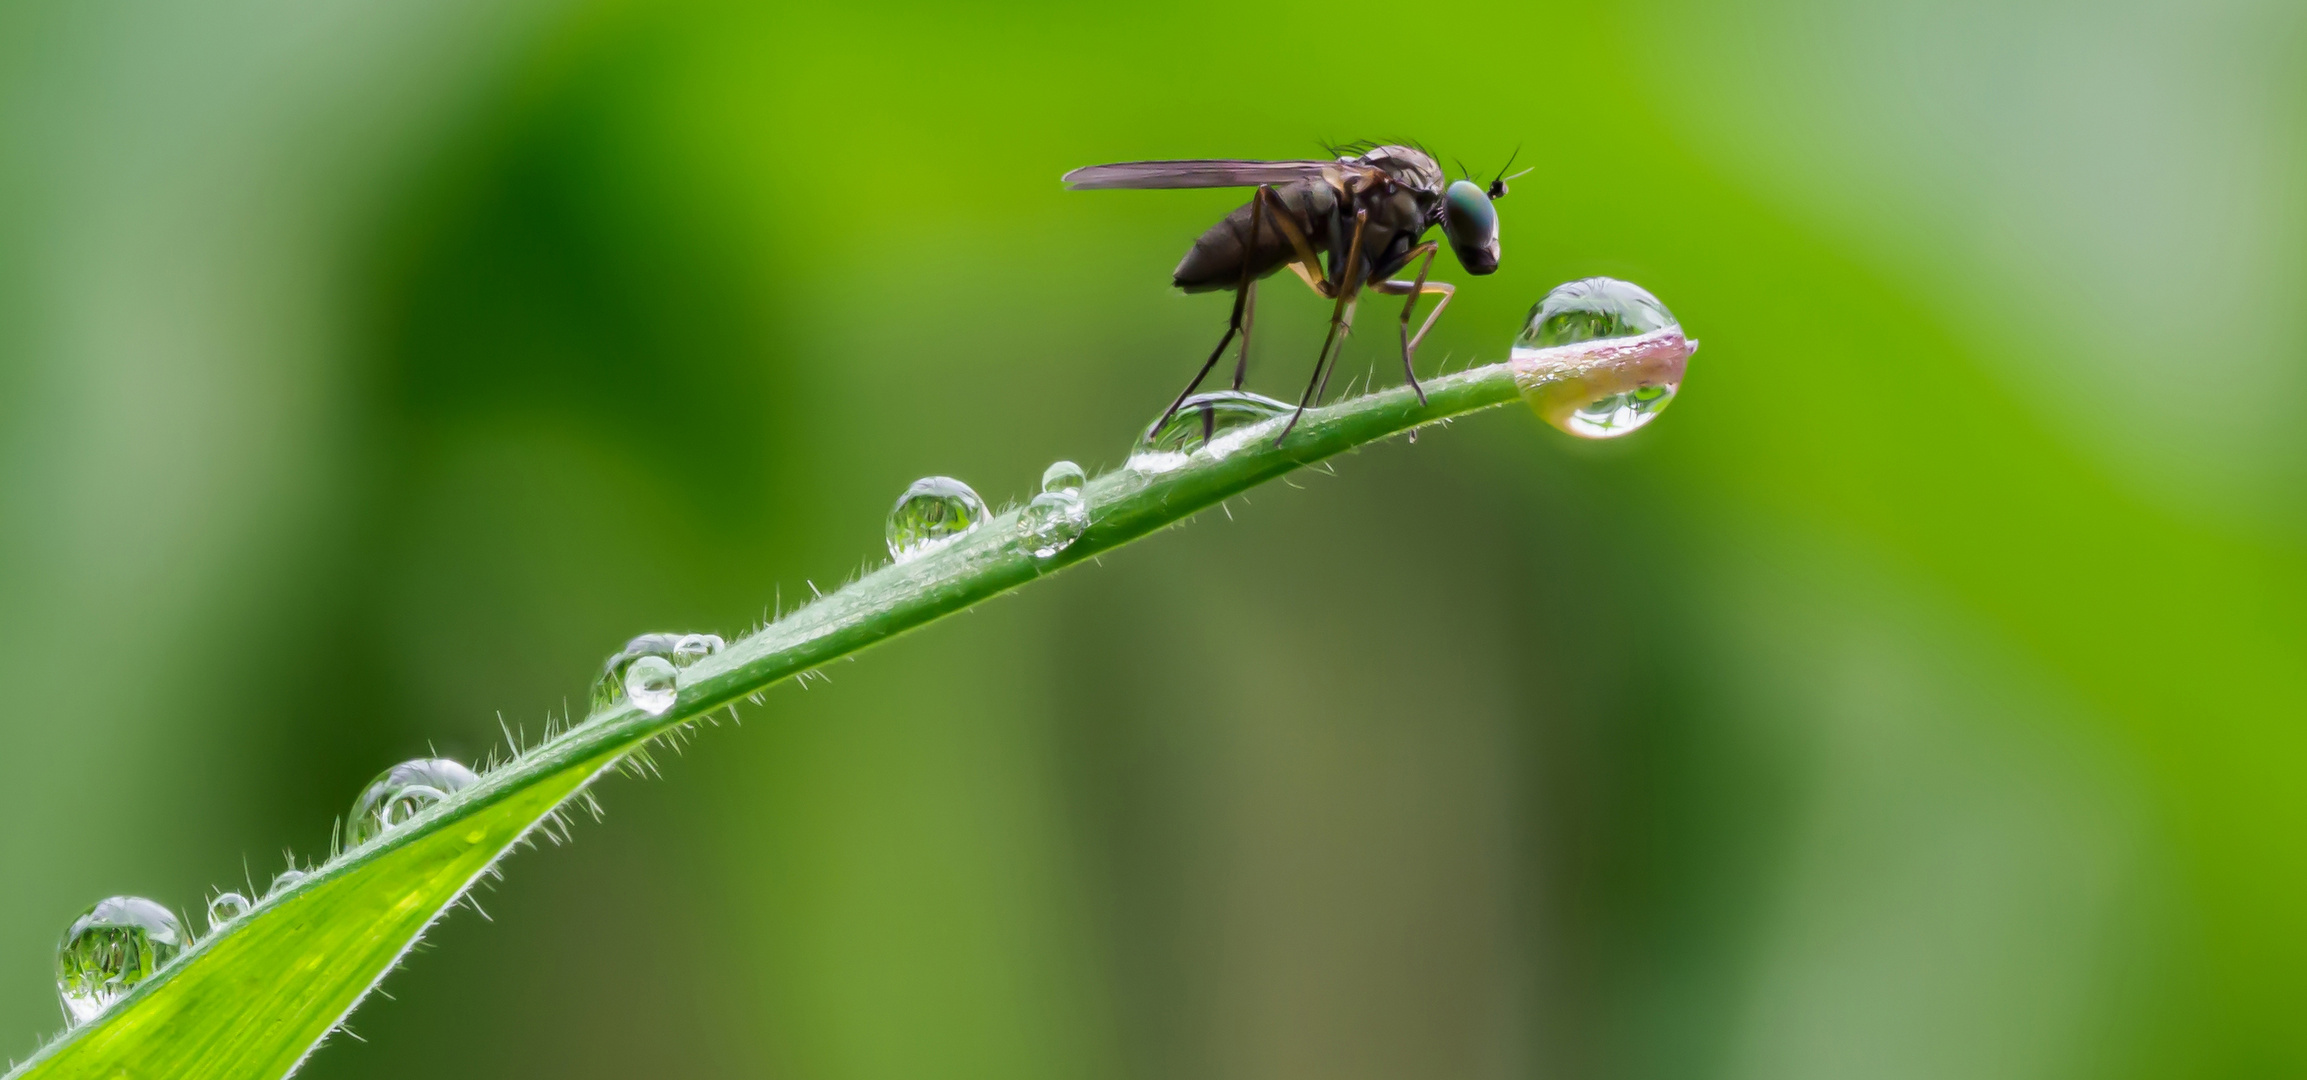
pixel 1196 173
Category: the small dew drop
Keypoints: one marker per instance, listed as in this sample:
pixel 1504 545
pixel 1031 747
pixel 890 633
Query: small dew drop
pixel 1056 517
pixel 225 908
pixel 112 947
pixel 402 792
pixel 1595 309
pixel 1053 521
pixel 283 881
pixel 932 513
pixel 1063 476
pixel 651 684
pixel 690 648
pixel 681 650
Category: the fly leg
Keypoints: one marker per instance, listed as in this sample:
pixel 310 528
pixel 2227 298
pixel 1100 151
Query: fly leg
pixel 1349 283
pixel 1249 289
pixel 1244 295
pixel 1231 328
pixel 1249 319
pixel 1248 295
pixel 1346 331
pixel 1414 290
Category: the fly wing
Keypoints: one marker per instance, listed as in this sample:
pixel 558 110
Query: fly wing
pixel 1197 173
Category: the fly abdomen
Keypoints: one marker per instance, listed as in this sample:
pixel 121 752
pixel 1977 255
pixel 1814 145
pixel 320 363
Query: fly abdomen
pixel 1215 261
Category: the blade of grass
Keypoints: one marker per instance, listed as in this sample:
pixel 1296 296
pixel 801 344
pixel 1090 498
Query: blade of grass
pixel 252 1001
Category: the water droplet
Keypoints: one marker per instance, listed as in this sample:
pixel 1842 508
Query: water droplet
pixel 283 881
pixel 1063 476
pixel 110 948
pixel 1052 522
pixel 1206 418
pixel 1576 393
pixel 932 513
pixel 651 684
pixel 1593 309
pixel 225 908
pixel 681 650
pixel 1056 517
pixel 690 648
pixel 402 792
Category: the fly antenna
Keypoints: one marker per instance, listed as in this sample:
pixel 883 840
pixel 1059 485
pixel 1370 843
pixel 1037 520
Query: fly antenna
pixel 1498 185
pixel 1502 177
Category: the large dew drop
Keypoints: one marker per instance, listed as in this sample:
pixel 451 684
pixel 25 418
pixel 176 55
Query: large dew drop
pixel 932 513
pixel 111 948
pixel 402 792
pixel 1596 403
pixel 681 650
pixel 1056 517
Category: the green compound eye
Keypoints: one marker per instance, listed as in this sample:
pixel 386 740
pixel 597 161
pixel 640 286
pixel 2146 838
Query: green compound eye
pixel 1471 223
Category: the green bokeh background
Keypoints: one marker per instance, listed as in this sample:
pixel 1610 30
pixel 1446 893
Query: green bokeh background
pixel 1921 697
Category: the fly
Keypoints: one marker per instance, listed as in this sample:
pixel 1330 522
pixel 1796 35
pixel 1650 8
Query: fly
pixel 1342 226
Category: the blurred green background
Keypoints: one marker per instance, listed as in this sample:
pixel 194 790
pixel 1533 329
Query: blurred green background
pixel 1922 697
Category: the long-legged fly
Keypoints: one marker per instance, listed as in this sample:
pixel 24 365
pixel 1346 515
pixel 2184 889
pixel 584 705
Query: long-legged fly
pixel 1367 213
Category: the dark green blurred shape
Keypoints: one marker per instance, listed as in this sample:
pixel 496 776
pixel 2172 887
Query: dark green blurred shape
pixel 1919 698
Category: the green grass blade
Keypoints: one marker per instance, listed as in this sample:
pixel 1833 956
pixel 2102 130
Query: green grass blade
pixel 252 1001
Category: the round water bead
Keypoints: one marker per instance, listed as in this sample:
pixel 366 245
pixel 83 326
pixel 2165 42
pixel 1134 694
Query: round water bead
pixel 1056 517
pixel 934 512
pixel 652 684
pixel 226 907
pixel 1589 402
pixel 112 947
pixel 1053 521
pixel 681 649
pixel 1203 417
pixel 1063 476
pixel 690 648
pixel 402 792
pixel 283 881
pixel 1592 309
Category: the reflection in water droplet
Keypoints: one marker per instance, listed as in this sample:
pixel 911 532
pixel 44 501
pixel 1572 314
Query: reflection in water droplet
pixel 932 513
pixel 681 649
pixel 1593 309
pixel 1616 414
pixel 111 948
pixel 650 684
pixel 402 792
pixel 225 908
pixel 284 880
pixel 1204 418
pixel 1589 310
pixel 1063 476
